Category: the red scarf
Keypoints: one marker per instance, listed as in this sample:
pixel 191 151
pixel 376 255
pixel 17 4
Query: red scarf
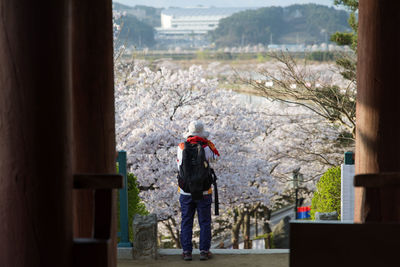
pixel 196 139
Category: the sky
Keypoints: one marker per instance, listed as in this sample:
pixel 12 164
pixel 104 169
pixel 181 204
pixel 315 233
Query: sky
pixel 220 3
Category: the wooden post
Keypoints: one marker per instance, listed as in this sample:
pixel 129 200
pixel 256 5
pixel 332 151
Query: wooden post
pixel 378 108
pixel 35 163
pixel 123 203
pixel 93 115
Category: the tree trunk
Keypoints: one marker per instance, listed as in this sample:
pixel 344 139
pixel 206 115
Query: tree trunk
pixel 159 239
pixel 237 221
pixel 175 235
pixel 267 228
pixel 246 229
pixel 256 223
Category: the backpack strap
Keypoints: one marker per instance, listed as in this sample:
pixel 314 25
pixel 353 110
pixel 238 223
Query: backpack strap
pixel 216 199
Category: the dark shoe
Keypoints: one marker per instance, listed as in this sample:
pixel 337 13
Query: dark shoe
pixel 187 255
pixel 205 255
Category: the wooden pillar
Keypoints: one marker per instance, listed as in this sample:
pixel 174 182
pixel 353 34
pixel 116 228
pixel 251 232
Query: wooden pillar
pixel 35 165
pixel 93 116
pixel 378 109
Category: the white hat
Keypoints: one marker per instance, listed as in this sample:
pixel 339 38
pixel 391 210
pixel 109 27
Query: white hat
pixel 196 128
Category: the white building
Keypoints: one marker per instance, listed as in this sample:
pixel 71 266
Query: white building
pixel 178 23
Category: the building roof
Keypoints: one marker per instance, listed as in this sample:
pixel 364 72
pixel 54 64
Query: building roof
pixel 203 11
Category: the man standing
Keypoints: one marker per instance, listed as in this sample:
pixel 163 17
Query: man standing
pixel 195 189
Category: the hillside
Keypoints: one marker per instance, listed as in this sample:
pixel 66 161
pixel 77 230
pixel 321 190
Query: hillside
pixel 135 33
pixel 138 24
pixel 146 14
pixel 306 24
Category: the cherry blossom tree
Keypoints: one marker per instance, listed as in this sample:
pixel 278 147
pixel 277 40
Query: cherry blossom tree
pixel 153 109
pixel 260 144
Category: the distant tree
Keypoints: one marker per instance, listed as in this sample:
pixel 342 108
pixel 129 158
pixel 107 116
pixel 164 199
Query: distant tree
pixel 306 23
pixel 134 32
pixel 296 83
pixel 348 62
pixel 147 14
pixel 348 38
pixel 152 15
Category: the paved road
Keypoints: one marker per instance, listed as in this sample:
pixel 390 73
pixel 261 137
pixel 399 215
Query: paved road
pixel 276 217
pixel 280 214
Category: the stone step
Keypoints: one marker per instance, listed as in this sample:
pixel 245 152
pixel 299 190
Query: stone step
pixel 126 253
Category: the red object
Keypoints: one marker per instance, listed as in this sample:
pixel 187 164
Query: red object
pixel 304 209
pixel 303 212
pixel 195 139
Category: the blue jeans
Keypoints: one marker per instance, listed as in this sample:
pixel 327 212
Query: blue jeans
pixel 188 208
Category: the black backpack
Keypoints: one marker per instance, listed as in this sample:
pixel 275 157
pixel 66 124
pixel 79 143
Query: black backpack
pixel 194 173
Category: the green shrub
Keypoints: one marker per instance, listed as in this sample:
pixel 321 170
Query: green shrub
pixel 223 56
pixel 321 56
pixel 202 55
pixel 327 196
pixel 135 204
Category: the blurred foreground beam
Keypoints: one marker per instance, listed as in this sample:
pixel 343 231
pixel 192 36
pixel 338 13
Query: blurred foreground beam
pixel 333 244
pixel 378 109
pixel 35 163
pixel 93 118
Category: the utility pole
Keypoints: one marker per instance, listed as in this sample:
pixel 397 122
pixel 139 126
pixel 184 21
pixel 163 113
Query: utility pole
pixel 296 176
